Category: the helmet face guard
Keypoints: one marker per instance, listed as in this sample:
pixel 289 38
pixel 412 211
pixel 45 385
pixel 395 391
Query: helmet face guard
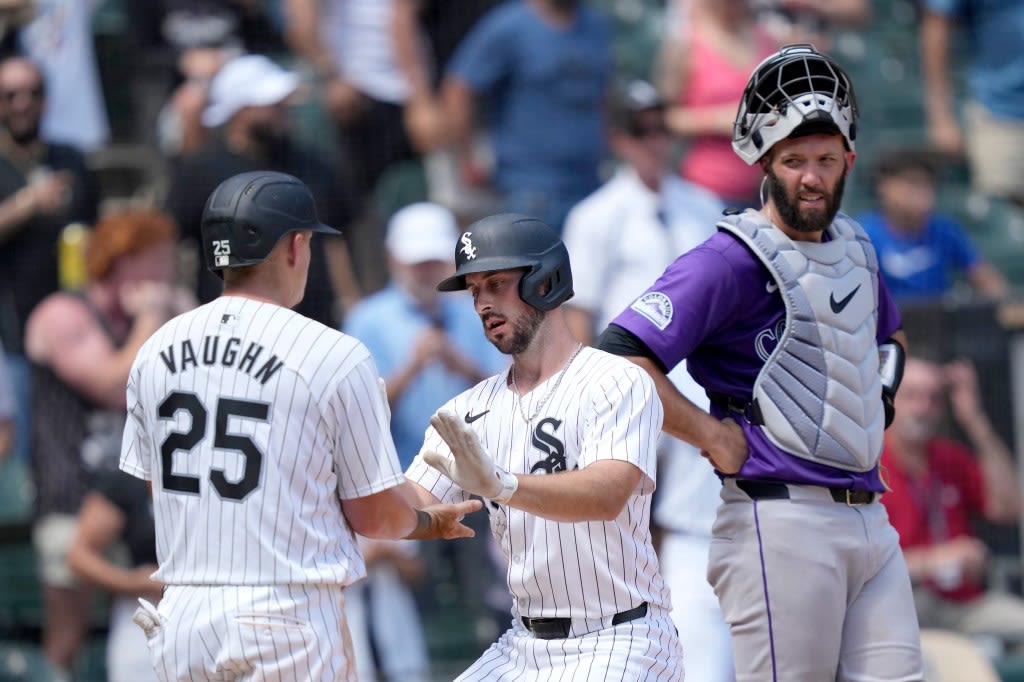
pixel 797 91
pixel 509 241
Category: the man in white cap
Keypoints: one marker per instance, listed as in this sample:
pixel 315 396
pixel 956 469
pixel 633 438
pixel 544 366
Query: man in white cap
pixel 249 121
pixel 429 348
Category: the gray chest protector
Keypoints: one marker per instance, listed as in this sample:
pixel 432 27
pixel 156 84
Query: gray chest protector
pixel 819 392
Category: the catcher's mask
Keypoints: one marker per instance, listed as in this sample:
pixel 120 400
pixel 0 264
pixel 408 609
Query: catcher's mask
pixel 797 91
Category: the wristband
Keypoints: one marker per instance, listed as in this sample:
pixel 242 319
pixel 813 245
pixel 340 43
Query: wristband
pixel 509 484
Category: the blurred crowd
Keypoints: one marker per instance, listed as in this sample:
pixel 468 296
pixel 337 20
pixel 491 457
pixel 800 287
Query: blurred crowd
pixel 611 120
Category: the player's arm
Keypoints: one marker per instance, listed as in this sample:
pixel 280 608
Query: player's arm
pixel 597 492
pixel 388 515
pixel 721 441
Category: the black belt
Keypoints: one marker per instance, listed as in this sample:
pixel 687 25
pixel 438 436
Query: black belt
pixel 766 490
pixel 558 628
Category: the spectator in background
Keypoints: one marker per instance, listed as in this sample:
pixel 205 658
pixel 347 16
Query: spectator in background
pixel 639 221
pixel 6 408
pixel 431 349
pixel 618 238
pixel 937 487
pixel 543 68
pixel 921 252
pixel 119 509
pixel 183 43
pixel 810 21
pixel 82 347
pixel 44 185
pixel 426 34
pixel 993 131
pixel 349 45
pixel 704 64
pixel 248 116
pixel 60 39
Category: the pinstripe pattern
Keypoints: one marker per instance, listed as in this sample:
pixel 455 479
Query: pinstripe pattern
pixel 292 422
pixel 645 650
pixel 604 408
pixel 272 633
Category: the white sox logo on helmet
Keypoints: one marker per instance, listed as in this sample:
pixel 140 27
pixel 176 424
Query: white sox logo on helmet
pixel 467 246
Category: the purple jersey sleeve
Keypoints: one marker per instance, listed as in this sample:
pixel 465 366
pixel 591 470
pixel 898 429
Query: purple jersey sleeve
pixel 696 295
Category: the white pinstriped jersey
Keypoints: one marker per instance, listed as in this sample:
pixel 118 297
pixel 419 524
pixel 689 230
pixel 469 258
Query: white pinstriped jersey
pixel 605 407
pixel 252 423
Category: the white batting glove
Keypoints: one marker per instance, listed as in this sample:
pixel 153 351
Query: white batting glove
pixel 469 466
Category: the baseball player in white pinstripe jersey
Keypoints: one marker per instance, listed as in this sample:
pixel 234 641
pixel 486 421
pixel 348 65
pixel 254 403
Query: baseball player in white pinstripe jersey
pixel 265 437
pixel 562 445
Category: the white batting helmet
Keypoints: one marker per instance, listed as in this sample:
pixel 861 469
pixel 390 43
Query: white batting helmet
pixel 796 91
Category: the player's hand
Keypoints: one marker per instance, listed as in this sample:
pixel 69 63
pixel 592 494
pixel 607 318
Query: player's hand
pixel 730 449
pixel 446 519
pixel 469 465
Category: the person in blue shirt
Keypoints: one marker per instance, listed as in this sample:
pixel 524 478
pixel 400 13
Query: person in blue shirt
pixel 427 347
pixel 921 251
pixel 540 71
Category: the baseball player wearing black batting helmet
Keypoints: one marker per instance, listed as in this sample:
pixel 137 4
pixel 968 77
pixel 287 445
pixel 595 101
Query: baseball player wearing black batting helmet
pixel 265 436
pixel 248 213
pixel 563 446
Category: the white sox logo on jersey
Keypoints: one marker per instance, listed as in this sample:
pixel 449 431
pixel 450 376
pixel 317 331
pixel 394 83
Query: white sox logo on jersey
pixel 467 246
pixel 550 445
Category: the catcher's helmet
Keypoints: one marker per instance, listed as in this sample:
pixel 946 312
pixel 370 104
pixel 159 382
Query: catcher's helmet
pixel 510 240
pixel 796 91
pixel 248 213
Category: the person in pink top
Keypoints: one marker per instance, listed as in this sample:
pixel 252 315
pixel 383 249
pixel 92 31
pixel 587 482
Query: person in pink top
pixel 704 67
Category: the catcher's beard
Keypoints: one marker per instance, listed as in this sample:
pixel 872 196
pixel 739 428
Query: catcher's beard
pixel 789 211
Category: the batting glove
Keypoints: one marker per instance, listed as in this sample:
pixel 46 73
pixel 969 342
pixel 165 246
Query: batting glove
pixel 469 465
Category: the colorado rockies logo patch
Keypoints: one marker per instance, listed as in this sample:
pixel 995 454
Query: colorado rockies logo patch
pixel 656 307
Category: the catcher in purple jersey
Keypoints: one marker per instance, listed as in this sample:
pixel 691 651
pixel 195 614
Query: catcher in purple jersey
pixel 784 320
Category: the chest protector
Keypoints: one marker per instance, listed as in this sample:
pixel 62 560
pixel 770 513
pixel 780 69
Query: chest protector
pixel 819 392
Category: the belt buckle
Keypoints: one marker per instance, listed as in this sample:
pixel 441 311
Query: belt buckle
pixel 851 503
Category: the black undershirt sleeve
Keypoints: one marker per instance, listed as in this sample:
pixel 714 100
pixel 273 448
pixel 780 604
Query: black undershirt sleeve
pixel 618 341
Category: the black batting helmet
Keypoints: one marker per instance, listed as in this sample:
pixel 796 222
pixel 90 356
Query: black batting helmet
pixel 248 213
pixel 509 240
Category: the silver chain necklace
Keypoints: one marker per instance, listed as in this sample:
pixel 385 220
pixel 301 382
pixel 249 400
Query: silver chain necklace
pixel 554 387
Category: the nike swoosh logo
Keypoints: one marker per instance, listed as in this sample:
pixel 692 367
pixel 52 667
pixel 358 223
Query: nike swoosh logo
pixel 837 306
pixel 771 287
pixel 470 418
